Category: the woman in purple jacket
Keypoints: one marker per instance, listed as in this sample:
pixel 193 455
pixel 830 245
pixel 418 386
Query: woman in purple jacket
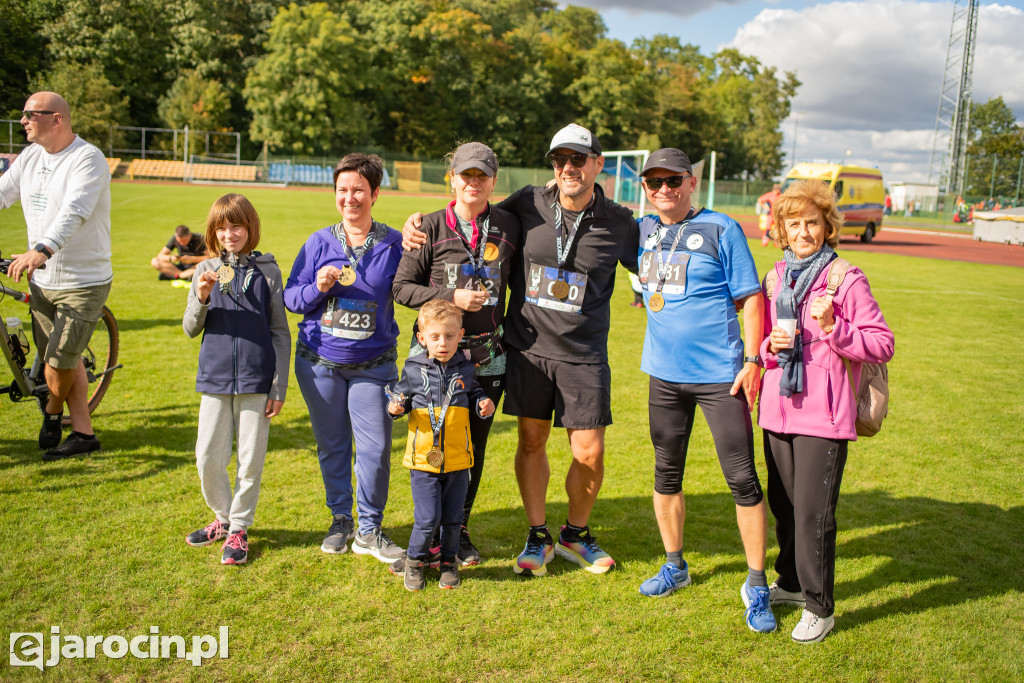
pixel 808 410
pixel 346 352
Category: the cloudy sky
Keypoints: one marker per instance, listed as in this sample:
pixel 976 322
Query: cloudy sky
pixel 871 69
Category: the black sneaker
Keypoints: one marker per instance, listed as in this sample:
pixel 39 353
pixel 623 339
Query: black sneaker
pixel 161 277
pixel 449 575
pixel 49 434
pixel 468 555
pixel 414 580
pixel 236 548
pixel 75 444
pixel 338 536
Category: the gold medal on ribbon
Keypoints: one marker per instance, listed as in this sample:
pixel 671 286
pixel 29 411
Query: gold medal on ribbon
pixel 435 458
pixel 560 289
pixel 348 276
pixel 483 288
pixel 656 302
pixel 490 252
pixel 225 274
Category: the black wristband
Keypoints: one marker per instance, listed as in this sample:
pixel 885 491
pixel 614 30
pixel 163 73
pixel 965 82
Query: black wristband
pixel 752 359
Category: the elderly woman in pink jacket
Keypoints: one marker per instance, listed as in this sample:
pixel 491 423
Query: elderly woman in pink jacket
pixel 807 409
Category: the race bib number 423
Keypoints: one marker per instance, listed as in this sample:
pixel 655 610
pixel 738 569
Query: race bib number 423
pixel 543 288
pixel 349 318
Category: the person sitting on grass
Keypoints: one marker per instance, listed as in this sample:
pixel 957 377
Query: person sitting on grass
pixel 437 389
pixel 237 301
pixel 191 252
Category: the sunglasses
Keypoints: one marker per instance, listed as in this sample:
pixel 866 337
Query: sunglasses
pixel 578 160
pixel 673 181
pixel 29 114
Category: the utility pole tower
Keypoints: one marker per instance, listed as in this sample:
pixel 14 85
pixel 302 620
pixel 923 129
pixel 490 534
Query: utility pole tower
pixel 952 123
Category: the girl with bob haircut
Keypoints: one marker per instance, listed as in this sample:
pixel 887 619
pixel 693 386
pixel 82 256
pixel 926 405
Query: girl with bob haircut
pixel 237 302
pixel 815 345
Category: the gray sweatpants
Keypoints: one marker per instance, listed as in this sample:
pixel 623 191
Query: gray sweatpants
pixel 222 417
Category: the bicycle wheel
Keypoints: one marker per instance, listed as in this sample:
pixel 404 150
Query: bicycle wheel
pixel 100 356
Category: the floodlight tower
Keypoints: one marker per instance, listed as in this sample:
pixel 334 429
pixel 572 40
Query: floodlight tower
pixel 952 123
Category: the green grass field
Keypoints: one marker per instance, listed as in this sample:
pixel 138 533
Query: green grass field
pixel 930 520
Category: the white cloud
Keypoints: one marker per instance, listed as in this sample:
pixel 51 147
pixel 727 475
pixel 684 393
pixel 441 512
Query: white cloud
pixel 872 71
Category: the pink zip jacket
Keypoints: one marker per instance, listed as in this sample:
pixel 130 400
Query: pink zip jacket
pixel 827 407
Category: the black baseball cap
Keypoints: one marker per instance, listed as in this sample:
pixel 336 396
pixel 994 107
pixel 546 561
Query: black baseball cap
pixel 670 159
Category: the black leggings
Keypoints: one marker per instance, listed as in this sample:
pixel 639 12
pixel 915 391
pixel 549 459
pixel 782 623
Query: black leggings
pixel 671 408
pixel 479 429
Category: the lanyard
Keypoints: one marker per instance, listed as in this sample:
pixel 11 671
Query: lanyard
pixel 562 254
pixel 338 230
pixel 476 260
pixel 662 260
pixel 437 421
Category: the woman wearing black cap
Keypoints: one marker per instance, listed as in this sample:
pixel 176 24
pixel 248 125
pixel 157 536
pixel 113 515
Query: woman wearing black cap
pixel 467 259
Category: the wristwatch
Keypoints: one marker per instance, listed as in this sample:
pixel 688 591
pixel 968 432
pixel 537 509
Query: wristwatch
pixel 752 359
pixel 43 249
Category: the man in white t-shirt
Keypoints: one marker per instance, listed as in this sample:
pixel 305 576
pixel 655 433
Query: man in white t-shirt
pixel 63 183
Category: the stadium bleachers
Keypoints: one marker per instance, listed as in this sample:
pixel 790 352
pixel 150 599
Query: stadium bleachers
pixel 156 168
pixel 230 172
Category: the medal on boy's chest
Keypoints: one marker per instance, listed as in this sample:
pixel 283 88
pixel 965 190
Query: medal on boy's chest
pixel 435 458
pixel 348 276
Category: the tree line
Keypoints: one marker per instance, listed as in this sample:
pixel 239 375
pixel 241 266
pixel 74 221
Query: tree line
pixel 408 76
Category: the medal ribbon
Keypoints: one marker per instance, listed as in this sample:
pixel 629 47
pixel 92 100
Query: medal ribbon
pixel 662 261
pixel 478 241
pixel 562 255
pixel 338 230
pixel 437 421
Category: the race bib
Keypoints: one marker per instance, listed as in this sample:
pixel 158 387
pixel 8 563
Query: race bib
pixel 462 276
pixel 349 318
pixel 543 285
pixel 675 273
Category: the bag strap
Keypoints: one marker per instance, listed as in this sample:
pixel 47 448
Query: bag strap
pixel 836 273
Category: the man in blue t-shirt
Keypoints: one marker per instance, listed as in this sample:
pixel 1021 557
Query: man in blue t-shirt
pixel 696 270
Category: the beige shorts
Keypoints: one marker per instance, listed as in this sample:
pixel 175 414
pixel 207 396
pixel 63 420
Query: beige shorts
pixel 65 320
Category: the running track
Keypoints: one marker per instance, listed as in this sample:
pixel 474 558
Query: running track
pixel 925 244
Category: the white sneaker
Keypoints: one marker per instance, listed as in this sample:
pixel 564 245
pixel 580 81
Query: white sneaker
pixel 780 596
pixel 812 628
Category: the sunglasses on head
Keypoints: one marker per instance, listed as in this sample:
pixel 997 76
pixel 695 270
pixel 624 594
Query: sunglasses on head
pixel 578 160
pixel 673 181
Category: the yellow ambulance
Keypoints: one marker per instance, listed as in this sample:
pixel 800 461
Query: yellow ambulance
pixel 858 189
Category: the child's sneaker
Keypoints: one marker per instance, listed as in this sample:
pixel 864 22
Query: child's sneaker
pixel 539 550
pixel 236 548
pixel 414 580
pixel 666 581
pixel 468 554
pixel 759 615
pixel 433 561
pixel 449 575
pixel 584 551
pixel 214 531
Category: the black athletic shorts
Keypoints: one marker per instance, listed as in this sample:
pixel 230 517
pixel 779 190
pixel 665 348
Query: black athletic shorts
pixel 579 395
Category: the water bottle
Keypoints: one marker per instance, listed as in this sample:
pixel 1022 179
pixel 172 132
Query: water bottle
pixel 17 332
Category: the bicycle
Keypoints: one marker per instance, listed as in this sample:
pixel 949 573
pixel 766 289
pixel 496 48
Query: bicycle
pixel 99 357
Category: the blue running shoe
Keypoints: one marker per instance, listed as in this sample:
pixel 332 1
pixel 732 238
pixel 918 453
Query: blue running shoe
pixel 666 581
pixel 759 615
pixel 539 550
pixel 584 551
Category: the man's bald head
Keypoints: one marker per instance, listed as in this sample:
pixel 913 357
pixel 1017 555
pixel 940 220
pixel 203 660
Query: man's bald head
pixel 51 130
pixel 49 101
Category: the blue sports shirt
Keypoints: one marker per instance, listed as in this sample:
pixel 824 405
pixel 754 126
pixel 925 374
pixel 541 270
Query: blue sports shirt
pixel 695 338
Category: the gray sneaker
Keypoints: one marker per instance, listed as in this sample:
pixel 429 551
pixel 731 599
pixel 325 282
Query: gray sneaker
pixel 338 536
pixel 812 628
pixel 378 544
pixel 781 596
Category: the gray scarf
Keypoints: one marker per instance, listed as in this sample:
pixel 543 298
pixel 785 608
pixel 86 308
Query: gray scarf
pixel 788 301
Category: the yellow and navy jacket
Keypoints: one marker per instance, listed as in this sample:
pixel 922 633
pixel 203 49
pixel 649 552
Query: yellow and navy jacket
pixel 423 380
